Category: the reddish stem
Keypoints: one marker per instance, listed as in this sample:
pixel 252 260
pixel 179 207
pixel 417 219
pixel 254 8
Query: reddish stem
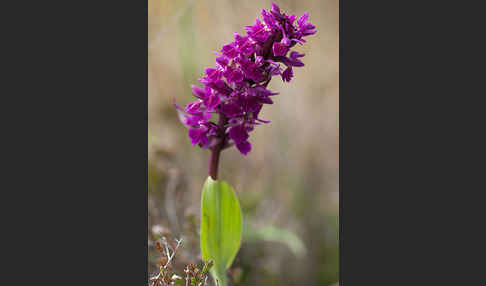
pixel 216 150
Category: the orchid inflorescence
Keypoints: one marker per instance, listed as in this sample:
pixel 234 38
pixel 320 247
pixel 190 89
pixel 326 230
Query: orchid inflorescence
pixel 247 65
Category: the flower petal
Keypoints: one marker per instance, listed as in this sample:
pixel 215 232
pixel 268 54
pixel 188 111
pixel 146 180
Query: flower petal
pixel 279 49
pixel 238 133
pixel 194 135
pixel 244 147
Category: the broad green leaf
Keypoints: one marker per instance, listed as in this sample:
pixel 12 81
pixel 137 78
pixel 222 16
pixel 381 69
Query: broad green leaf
pixel 221 222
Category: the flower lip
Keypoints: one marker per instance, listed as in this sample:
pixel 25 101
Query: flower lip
pixel 244 147
pixel 285 41
pixel 279 49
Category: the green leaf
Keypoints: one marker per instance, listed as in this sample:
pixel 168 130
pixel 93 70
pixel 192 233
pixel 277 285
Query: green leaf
pixel 221 222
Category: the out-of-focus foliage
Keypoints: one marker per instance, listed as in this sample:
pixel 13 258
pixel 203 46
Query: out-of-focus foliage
pixel 288 183
pixel 275 234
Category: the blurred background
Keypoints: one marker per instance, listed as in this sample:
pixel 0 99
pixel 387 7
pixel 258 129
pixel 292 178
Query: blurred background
pixel 288 184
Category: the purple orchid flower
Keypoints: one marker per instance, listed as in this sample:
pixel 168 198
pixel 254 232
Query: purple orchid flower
pixel 236 89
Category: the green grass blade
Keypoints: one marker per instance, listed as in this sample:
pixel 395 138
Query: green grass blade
pixel 275 234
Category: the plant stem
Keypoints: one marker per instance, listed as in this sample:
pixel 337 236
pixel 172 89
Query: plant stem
pixel 216 150
pixel 219 277
pixel 222 281
pixel 214 162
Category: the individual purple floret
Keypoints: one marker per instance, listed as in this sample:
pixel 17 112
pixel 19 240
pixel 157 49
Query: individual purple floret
pixel 235 89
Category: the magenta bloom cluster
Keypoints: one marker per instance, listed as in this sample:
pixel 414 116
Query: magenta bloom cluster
pixel 236 88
